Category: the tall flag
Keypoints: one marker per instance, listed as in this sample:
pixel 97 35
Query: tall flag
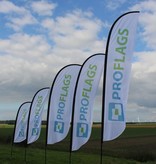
pixel 60 103
pixel 21 123
pixel 35 115
pixel 85 93
pixel 119 52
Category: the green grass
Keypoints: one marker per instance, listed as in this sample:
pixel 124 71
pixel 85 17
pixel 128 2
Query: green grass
pixel 136 145
pixel 56 157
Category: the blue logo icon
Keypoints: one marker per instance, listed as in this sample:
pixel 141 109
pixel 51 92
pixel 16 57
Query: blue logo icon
pixel 21 133
pixel 82 130
pixel 35 131
pixel 59 126
pixel 116 112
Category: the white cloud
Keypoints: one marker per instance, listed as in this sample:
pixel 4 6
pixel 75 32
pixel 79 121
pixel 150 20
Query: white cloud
pixel 17 16
pixel 25 46
pixel 114 4
pixel 74 30
pixel 74 36
pixel 43 8
pixel 147 21
pixel 146 5
pixel 7 7
pixel 17 23
pixel 23 65
pixel 29 62
pixel 142 87
pixel 141 102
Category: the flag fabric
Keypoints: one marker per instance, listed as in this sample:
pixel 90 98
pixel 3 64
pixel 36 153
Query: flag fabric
pixel 60 103
pixel 35 115
pixel 117 74
pixel 21 123
pixel 85 93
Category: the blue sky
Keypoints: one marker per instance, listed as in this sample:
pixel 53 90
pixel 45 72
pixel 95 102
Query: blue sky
pixel 38 38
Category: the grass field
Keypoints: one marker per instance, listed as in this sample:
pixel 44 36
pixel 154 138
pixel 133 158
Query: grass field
pixel 136 145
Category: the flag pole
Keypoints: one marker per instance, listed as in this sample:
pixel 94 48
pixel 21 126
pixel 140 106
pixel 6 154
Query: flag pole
pixel 47 123
pixel 45 154
pixel 12 144
pixel 71 136
pixel 15 127
pixel 14 135
pixel 103 106
pixel 25 154
pixel 63 73
pixel 27 136
pixel 48 112
pixel 74 100
pixel 72 118
pixel 105 75
pixel 47 127
pixel 73 111
pixel 104 91
pixel 103 96
pixel 31 113
pixel 26 145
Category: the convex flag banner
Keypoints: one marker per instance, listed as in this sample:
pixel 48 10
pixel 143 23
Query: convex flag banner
pixel 119 52
pixel 60 103
pixel 21 122
pixel 35 116
pixel 85 93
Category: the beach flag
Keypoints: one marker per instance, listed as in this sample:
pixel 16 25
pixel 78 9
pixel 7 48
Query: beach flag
pixel 60 103
pixel 35 115
pixel 85 92
pixel 20 129
pixel 117 70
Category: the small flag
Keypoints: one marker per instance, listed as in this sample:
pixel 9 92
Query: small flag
pixel 35 116
pixel 21 122
pixel 85 93
pixel 61 103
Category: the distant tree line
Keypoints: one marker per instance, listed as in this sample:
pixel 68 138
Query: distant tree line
pixel 12 122
pixel 44 122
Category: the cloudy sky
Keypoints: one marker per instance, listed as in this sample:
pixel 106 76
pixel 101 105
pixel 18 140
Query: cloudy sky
pixel 38 38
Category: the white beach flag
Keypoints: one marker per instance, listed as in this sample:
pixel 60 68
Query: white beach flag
pixel 35 116
pixel 117 74
pixel 21 122
pixel 61 103
pixel 85 93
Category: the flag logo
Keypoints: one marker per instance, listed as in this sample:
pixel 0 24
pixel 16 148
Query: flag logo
pixel 82 130
pixel 21 133
pixel 59 126
pixel 35 131
pixel 116 112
